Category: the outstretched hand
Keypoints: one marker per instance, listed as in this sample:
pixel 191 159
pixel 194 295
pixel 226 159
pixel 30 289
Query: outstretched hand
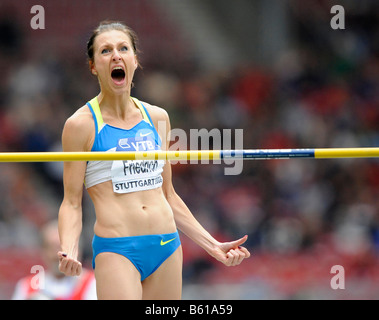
pixel 231 253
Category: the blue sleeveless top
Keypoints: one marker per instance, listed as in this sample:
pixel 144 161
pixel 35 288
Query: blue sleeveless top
pixel 129 175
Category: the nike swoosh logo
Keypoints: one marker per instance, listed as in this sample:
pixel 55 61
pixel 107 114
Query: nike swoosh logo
pixel 165 242
pixel 145 134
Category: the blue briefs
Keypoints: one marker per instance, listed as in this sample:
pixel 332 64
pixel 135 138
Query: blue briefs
pixel 146 252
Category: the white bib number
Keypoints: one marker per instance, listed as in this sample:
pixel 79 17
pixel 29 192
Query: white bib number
pixel 136 175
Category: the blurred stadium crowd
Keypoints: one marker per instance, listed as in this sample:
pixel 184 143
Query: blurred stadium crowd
pixel 302 216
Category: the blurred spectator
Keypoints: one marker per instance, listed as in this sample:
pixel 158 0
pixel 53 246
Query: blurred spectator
pixel 56 286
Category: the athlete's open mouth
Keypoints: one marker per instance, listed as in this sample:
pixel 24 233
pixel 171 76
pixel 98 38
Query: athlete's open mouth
pixel 118 74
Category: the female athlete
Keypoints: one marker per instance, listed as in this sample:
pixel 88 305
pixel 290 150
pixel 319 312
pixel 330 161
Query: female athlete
pixel 136 247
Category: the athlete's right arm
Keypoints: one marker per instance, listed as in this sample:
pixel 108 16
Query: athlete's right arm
pixel 77 135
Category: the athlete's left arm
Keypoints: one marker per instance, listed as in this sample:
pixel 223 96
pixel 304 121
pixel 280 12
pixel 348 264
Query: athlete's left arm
pixel 230 253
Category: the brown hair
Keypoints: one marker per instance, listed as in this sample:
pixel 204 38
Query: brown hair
pixel 109 25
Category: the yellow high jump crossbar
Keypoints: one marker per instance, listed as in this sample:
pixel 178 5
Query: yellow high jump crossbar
pixel 327 153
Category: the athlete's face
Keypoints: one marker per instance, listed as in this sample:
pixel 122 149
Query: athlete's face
pixel 114 61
